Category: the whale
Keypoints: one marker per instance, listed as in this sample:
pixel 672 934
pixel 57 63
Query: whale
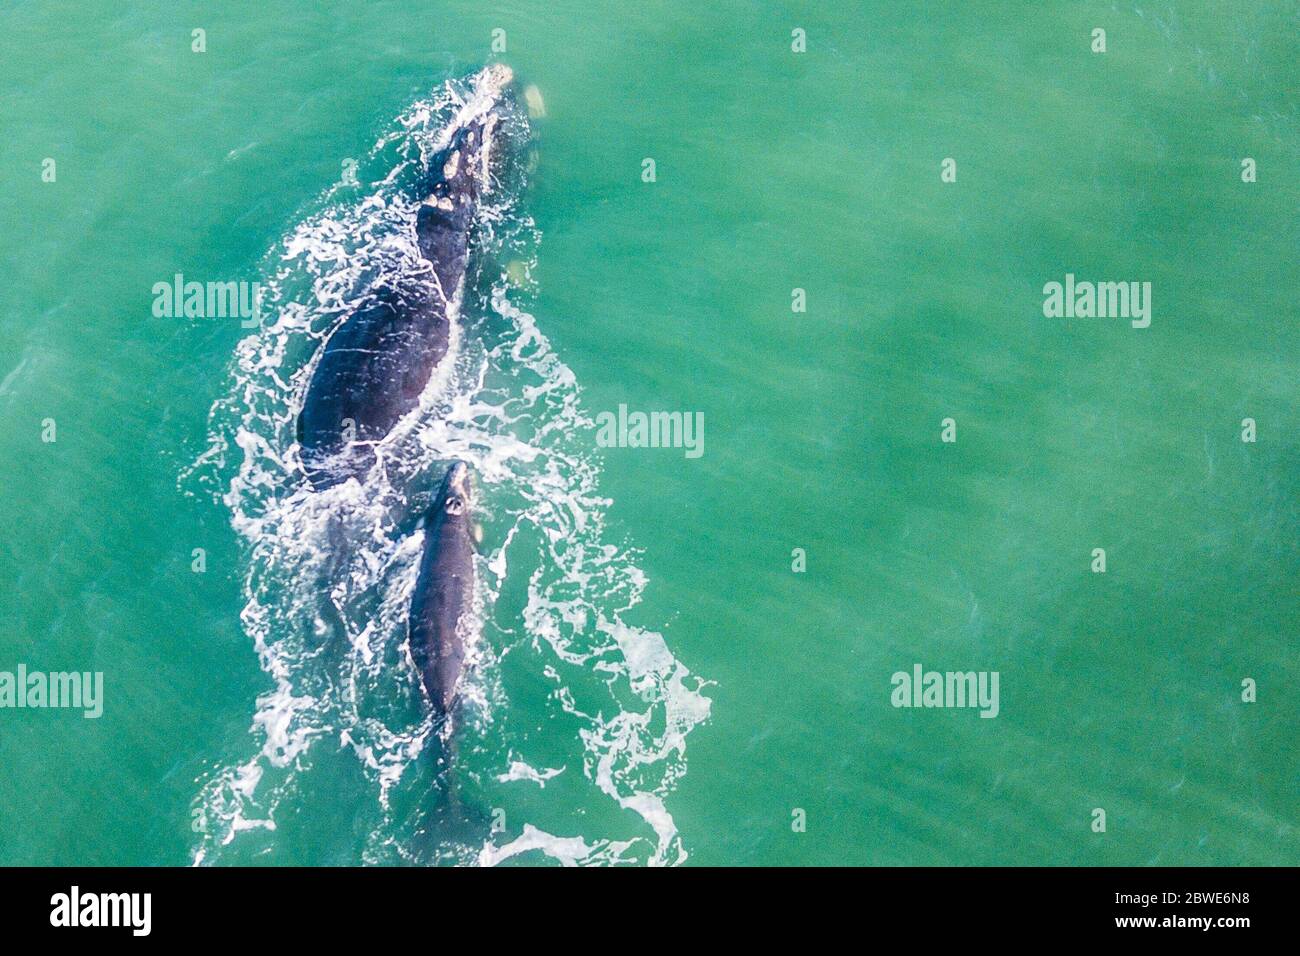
pixel 375 365
pixel 441 622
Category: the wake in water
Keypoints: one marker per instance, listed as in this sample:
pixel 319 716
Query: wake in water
pixel 570 717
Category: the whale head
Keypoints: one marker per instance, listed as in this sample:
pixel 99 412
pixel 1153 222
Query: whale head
pixel 456 496
pixel 461 167
pixel 461 172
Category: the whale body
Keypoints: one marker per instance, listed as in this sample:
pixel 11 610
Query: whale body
pixel 441 622
pixel 375 365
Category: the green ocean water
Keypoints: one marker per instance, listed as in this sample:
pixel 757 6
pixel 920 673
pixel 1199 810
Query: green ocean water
pixel 775 170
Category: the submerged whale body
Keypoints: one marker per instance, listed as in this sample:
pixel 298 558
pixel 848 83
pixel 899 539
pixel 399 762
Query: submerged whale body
pixel 376 364
pixel 441 621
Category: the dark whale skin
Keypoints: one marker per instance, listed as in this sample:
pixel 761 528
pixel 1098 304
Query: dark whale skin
pixel 439 622
pixel 370 374
pixel 374 367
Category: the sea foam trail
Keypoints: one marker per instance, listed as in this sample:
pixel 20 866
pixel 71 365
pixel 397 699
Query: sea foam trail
pixel 572 716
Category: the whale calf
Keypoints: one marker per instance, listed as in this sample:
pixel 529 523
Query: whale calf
pixel 377 362
pixel 441 621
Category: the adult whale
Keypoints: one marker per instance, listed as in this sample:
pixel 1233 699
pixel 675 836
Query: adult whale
pixel 376 364
pixel 441 621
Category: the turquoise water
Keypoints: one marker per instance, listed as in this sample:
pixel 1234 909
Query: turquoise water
pixel 656 683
